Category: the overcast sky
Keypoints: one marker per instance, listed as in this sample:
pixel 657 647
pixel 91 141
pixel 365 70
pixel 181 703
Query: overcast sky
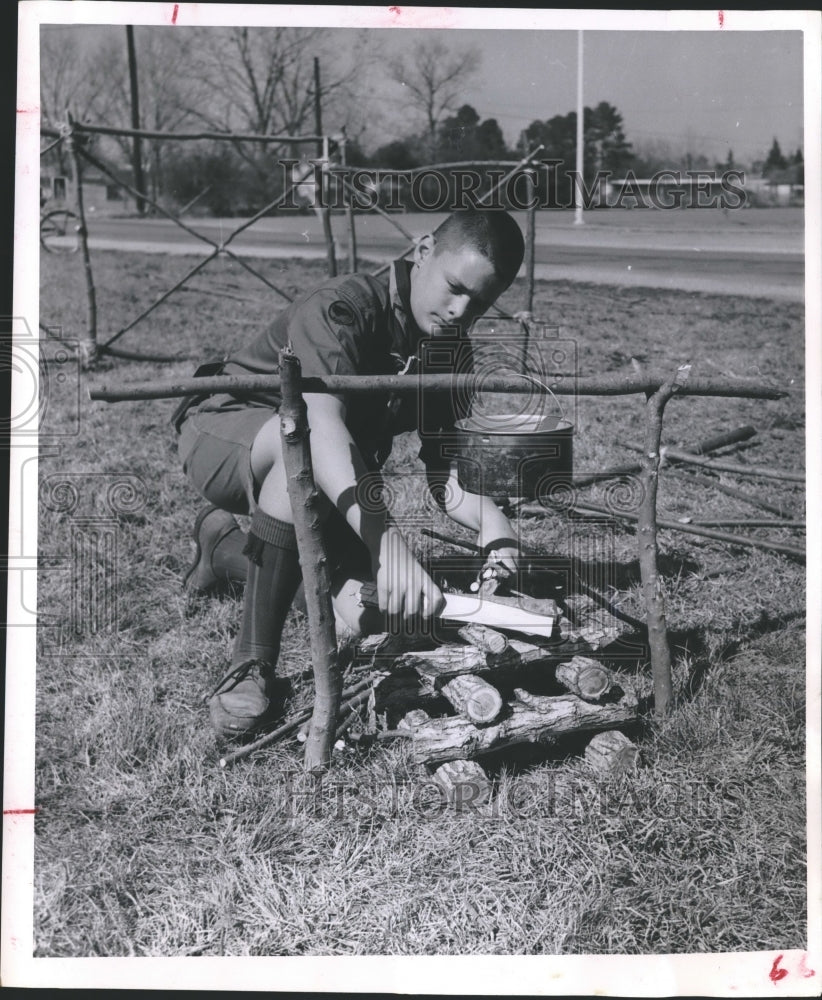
pixel 714 91
pixel 699 91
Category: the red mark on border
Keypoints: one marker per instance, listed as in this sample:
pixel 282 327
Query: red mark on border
pixel 174 13
pixel 776 973
pixel 720 16
pixel 804 971
pixel 396 11
pixel 20 812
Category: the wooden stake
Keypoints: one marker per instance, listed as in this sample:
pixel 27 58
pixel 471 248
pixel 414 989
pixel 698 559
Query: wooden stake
pixel 316 577
pixel 88 349
pixel 530 241
pixel 652 585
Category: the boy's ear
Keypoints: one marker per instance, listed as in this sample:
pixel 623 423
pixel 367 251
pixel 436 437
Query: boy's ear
pixel 425 247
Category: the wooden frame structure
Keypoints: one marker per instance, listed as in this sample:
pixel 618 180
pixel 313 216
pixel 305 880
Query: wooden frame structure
pixel 74 133
pixel 657 390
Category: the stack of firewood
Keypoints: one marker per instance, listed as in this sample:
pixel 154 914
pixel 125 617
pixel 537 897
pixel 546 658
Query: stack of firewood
pixel 448 699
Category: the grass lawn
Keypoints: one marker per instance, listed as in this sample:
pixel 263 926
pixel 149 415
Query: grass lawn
pixel 144 846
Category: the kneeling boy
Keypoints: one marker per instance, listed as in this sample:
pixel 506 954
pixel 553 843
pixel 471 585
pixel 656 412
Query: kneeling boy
pixel 231 448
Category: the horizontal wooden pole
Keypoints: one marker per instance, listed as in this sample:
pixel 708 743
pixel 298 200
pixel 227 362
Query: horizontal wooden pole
pixel 409 172
pixel 611 384
pixel 237 136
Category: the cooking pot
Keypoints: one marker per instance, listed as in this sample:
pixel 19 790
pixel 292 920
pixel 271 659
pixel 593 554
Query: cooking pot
pixel 514 454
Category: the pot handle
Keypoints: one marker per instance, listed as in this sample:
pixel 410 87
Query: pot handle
pixel 542 385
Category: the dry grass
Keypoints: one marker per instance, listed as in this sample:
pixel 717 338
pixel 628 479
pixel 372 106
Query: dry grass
pixel 145 847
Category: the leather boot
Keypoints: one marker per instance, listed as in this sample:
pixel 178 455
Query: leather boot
pixel 219 560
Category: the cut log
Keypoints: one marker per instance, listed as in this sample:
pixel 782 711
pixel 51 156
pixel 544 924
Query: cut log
pixel 586 678
pixel 445 662
pixel 398 693
pixel 383 647
pixel 436 667
pixel 465 784
pixel 411 720
pixel 611 752
pixel 593 625
pixel 475 699
pixel 544 721
pixel 486 639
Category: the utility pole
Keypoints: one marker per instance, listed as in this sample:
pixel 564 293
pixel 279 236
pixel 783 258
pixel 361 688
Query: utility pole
pixel 136 156
pixel 578 220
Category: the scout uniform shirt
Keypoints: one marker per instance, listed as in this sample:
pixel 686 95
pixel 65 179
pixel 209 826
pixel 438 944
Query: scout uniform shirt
pixel 359 325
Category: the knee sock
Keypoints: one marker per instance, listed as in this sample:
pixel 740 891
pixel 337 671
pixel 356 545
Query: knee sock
pixel 273 577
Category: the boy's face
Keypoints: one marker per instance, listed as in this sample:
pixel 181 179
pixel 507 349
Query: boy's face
pixel 451 288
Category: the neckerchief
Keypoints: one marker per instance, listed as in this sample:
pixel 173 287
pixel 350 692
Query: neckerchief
pixel 406 335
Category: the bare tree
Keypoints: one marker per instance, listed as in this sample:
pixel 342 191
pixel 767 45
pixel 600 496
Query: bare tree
pixel 73 77
pixel 260 80
pixel 433 76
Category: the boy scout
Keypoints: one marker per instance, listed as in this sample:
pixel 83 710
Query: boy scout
pixel 231 450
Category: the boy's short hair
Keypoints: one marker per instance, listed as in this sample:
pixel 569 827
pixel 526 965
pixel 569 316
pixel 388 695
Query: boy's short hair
pixel 491 232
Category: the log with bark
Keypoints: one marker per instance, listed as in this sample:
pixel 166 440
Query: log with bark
pixel 464 783
pixel 586 678
pixel 474 698
pixel 486 639
pixel 529 719
pixel 611 752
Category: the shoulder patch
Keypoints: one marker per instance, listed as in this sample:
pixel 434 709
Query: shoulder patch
pixel 342 313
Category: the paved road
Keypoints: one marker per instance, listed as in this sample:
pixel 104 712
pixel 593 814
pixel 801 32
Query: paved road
pixel 744 253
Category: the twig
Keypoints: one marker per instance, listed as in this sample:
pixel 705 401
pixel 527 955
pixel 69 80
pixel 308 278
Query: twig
pixel 689 529
pixel 764 522
pixel 731 491
pixel 267 739
pixel 631 469
pixel 678 455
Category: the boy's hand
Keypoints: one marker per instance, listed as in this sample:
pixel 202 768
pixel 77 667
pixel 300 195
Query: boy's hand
pixel 404 589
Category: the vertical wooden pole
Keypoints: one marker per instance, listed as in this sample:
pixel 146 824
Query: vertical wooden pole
pixel 89 351
pixel 304 497
pixel 322 152
pixel 530 241
pixel 136 153
pixel 349 215
pixel 652 588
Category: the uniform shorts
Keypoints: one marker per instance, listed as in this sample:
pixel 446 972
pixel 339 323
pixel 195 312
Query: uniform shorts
pixel 215 449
